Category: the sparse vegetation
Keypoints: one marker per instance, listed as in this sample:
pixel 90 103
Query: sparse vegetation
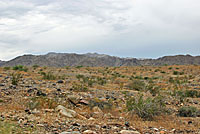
pixel 188 111
pixel 15 78
pixel 136 85
pixel 146 108
pixel 133 95
pixel 20 68
pixel 48 76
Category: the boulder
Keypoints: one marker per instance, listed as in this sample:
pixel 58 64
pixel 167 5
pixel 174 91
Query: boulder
pixel 66 112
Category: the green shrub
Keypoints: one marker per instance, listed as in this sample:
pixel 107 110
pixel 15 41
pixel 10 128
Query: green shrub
pixel 154 90
pixel 48 76
pixel 170 68
pixel 188 111
pixel 6 68
pixel 79 87
pixel 35 66
pixel 79 67
pixel 179 94
pixel 20 68
pixel 146 108
pixel 8 127
pixel 15 78
pixel 42 103
pixel 137 85
pixel 192 93
pixel 103 105
pixel 175 73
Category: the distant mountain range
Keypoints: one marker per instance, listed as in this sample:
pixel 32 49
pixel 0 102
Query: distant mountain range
pixel 94 59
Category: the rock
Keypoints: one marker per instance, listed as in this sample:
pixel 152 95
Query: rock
pixel 74 99
pixel 129 132
pixel 91 119
pixel 81 117
pixel 89 132
pixel 40 93
pixel 189 122
pixel 59 90
pixel 162 132
pixel 127 124
pixel 60 81
pixel 84 102
pixel 66 112
pixel 74 132
pixel 97 109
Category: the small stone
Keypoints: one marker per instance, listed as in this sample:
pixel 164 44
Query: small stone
pixel 74 132
pixel 129 132
pixel 81 117
pixel 127 124
pixel 59 90
pixel 89 132
pixel 40 93
pixel 60 81
pixel 91 119
pixel 84 102
pixel 162 132
pixel 189 122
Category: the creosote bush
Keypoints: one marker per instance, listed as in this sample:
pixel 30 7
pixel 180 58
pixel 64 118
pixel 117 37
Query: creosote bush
pixel 15 78
pixel 48 76
pixel 6 68
pixel 42 103
pixel 188 111
pixel 146 108
pixel 79 87
pixel 137 85
pixel 20 68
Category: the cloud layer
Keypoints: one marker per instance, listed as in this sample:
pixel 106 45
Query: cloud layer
pixel 137 28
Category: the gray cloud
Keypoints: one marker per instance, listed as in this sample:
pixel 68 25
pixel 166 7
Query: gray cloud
pixel 118 27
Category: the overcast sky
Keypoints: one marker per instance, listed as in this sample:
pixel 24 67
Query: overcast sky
pixel 125 28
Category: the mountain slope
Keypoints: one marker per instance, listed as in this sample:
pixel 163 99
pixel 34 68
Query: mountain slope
pixel 94 59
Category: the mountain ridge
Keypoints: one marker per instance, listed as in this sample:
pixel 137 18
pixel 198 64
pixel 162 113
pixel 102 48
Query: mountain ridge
pixel 94 59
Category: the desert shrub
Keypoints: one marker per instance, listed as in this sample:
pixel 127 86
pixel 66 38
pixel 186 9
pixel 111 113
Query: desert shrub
pixel 41 103
pixel 48 76
pixel 188 111
pixel 179 94
pixel 146 108
pixel 79 67
pixel 35 66
pixel 8 127
pixel 163 72
pixel 15 78
pixel 171 80
pixel 101 81
pixel 154 90
pixel 175 73
pixel 192 93
pixel 103 105
pixel 79 76
pixel 156 70
pixel 79 87
pixel 170 68
pixel 6 68
pixel 136 85
pixel 20 68
pixel 182 94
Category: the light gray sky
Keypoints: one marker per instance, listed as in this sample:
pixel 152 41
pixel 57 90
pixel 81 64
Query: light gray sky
pixel 125 28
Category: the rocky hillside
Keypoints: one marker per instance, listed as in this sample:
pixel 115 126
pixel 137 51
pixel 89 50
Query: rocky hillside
pixel 94 59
